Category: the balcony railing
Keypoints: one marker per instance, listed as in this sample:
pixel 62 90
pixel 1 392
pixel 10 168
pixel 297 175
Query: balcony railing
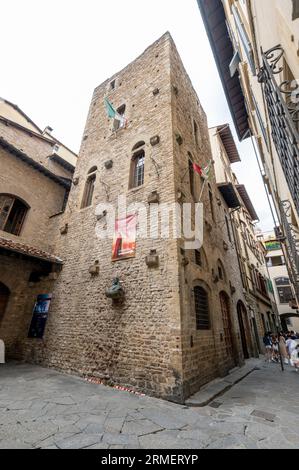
pixel 292 243
pixel 283 107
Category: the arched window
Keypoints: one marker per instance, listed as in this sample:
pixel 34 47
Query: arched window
pixel 89 188
pixel 137 166
pixel 12 213
pixel 4 297
pixel 195 127
pixel 138 145
pixel 221 271
pixel 202 310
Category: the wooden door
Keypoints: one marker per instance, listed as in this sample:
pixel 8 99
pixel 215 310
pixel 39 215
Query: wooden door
pixel 227 328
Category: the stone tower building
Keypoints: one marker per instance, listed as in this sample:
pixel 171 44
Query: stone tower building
pixel 176 327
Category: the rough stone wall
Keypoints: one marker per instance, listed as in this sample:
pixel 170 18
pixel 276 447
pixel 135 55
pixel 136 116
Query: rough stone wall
pixel 149 342
pixel 44 197
pixel 204 352
pixel 138 342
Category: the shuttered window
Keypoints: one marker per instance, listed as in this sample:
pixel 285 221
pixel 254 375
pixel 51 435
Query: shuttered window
pixel 201 308
pixel 12 214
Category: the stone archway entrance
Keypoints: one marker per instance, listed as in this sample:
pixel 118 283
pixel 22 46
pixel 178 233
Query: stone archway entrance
pixel 227 327
pixel 4 297
pixel 242 316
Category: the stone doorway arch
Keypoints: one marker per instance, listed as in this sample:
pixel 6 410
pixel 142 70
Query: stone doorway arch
pixel 227 327
pixel 242 318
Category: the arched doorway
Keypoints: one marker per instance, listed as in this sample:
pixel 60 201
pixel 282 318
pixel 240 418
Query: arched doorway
pixel 227 327
pixel 242 315
pixel 4 296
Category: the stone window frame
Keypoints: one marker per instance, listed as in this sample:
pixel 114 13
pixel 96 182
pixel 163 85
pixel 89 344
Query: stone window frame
pixel 220 268
pixel 17 224
pixel 137 180
pixel 196 133
pixel 204 261
pixel 89 187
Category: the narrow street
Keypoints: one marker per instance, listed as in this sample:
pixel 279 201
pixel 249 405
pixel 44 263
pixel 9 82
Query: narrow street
pixel 41 408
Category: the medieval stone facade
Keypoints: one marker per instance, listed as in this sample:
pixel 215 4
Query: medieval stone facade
pixel 177 326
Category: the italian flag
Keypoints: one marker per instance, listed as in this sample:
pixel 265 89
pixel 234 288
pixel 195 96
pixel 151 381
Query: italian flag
pixel 205 172
pixel 113 114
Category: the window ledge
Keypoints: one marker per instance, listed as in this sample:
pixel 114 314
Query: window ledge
pixel 135 190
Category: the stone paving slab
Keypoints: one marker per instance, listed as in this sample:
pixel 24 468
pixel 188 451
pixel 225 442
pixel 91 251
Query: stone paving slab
pixel 43 409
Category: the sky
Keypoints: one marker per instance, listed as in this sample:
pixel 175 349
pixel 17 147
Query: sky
pixel 55 53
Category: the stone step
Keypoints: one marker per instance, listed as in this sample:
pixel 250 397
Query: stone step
pixel 219 386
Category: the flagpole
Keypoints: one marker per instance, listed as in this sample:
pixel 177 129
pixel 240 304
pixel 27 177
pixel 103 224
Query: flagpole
pixel 202 190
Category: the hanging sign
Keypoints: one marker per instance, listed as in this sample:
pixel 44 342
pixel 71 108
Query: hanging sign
pixel 40 316
pixel 124 241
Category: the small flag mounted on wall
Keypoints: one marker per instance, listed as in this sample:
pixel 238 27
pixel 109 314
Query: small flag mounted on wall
pixel 120 122
pixel 203 172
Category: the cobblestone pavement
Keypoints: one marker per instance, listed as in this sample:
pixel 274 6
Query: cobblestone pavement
pixel 40 408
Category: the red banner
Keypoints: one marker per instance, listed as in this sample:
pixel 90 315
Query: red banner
pixel 124 241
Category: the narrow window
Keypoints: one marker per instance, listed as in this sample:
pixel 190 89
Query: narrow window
pixel 201 309
pixel 228 229
pixel 89 188
pixel 12 214
pixel 112 85
pixel 198 259
pixel 211 205
pixel 137 169
pixel 195 126
pixel 191 175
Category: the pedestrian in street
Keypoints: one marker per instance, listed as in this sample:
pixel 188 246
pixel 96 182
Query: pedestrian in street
pixel 295 358
pixel 275 349
pixel 268 345
pixel 291 344
pixel 283 348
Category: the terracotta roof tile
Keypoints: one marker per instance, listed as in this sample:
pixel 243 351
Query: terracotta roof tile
pixel 27 250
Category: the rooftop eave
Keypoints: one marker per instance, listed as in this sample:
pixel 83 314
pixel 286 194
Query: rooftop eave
pixel 247 202
pixel 214 19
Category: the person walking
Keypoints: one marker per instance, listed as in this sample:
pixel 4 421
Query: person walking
pixel 291 346
pixel 295 358
pixel 275 349
pixel 283 348
pixel 268 345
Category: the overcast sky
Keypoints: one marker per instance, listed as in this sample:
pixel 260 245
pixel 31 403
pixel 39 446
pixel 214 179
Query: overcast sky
pixel 55 53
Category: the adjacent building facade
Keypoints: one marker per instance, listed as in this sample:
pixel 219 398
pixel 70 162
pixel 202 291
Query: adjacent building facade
pixel 256 48
pixel 35 181
pixel 150 313
pixel 283 289
pixel 258 313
